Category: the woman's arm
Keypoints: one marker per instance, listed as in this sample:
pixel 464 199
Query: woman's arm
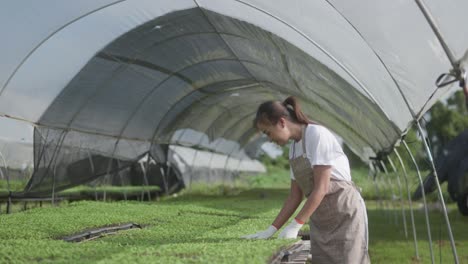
pixel 322 174
pixel 290 205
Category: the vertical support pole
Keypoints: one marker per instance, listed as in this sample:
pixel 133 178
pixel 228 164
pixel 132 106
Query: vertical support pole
pixel 426 213
pixel 410 203
pixel 439 191
pixel 95 194
pixel 104 193
pixel 377 189
pixel 54 156
pixel 370 172
pixel 8 182
pixel 110 166
pixel 167 173
pixel 166 176
pixel 400 196
pixel 9 203
pixel 210 169
pixel 145 179
pixel 381 190
pixel 395 217
pixel 122 181
pixel 93 172
pixel 53 185
pixel 225 172
pixel 191 169
pixel 148 160
pixel 7 176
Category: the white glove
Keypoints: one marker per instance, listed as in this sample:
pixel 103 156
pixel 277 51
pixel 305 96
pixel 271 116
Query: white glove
pixel 291 230
pixel 270 231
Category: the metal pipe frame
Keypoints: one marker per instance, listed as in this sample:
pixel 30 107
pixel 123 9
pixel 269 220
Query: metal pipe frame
pixel 400 196
pixel 391 190
pixel 439 192
pixel 426 213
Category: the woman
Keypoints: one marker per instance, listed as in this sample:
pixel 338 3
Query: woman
pixel 319 171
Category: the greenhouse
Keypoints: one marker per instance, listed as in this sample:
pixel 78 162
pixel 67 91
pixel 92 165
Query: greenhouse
pixel 162 95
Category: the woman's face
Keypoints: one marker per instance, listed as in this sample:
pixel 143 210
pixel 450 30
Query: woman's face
pixel 278 133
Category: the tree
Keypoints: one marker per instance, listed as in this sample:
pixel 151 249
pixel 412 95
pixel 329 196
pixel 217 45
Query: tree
pixel 446 121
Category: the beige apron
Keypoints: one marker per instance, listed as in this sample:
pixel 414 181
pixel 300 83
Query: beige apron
pixel 338 228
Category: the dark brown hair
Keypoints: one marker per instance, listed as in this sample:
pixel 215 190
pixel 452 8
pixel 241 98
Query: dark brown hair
pixel 270 112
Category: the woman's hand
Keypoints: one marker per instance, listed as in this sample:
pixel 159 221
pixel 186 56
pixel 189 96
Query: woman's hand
pixel 291 230
pixel 270 231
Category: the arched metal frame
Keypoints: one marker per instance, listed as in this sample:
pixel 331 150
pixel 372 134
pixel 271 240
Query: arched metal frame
pixel 390 186
pixel 405 174
pixel 400 196
pixel 439 192
pixel 426 212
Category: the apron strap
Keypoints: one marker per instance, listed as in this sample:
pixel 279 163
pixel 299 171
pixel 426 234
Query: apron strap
pixel 304 153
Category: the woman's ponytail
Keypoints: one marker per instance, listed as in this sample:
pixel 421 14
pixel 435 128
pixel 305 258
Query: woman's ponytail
pixel 294 109
pixel 271 111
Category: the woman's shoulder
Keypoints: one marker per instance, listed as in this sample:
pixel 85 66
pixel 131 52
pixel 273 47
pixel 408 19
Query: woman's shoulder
pixel 316 129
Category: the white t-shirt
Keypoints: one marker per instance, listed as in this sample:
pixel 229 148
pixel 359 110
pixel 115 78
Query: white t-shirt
pixel 322 148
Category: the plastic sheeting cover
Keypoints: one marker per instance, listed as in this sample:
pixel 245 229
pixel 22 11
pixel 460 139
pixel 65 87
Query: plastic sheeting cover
pixel 111 79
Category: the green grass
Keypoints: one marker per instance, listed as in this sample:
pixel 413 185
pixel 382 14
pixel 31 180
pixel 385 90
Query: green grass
pixel 183 229
pixel 203 225
pixel 196 228
pixel 388 243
